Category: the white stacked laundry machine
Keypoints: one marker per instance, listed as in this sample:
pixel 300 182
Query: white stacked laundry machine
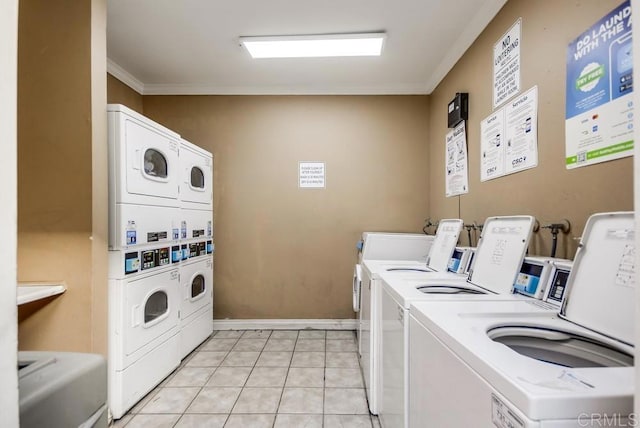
pixel 196 234
pixel 150 236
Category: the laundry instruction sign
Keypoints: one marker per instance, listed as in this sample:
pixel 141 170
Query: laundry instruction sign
pixel 456 165
pixel 599 91
pixel 311 175
pixel 509 137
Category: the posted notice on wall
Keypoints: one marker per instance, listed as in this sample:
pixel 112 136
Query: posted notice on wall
pixel 506 65
pixel 311 175
pixel 509 137
pixel 457 182
pixel 599 110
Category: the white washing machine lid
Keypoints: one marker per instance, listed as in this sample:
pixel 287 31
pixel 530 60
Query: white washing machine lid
pixel 500 252
pixel 601 285
pixel 444 244
pixel 395 246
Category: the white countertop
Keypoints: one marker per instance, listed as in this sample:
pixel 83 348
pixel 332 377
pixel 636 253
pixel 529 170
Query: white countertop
pixel 30 292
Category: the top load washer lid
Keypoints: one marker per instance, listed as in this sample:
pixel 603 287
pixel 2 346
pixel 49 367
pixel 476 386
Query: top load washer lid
pixel 444 244
pixel 501 249
pixel 601 285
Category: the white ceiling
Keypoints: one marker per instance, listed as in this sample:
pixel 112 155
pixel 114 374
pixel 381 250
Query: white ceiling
pixel 191 46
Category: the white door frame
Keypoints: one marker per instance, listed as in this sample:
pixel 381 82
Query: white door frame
pixel 8 212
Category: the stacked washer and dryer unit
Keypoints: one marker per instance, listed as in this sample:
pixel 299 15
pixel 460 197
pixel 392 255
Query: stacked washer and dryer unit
pixel 196 234
pixel 160 254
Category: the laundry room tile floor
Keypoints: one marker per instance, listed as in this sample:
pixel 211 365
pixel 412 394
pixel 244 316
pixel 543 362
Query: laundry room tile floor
pixel 261 378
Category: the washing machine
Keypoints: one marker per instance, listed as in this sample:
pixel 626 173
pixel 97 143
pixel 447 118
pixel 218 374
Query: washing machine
pixel 387 246
pixel 522 367
pixel 143 336
pixel 410 248
pixel 557 273
pixel 196 177
pixel 499 257
pixel 196 307
pixel 143 159
pixel 440 249
pixel 446 281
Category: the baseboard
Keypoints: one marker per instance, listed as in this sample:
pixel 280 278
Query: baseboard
pixel 278 324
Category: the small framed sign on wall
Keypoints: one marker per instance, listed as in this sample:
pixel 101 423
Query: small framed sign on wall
pixel 311 175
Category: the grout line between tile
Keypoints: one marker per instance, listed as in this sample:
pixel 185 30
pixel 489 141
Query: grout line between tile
pixel 324 378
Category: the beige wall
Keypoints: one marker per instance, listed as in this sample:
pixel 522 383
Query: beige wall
pixel 283 252
pixel 550 192
pixel 119 93
pixel 55 172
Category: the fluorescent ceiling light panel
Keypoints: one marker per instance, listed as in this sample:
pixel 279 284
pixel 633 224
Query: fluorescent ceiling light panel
pixel 367 44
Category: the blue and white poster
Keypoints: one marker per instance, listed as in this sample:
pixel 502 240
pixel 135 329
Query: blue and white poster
pixel 599 109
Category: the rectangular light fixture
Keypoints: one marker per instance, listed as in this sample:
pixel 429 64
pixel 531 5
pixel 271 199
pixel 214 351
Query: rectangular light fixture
pixel 336 45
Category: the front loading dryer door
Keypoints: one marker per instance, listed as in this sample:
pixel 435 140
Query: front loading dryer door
pixel 150 310
pixel 152 162
pixel 196 183
pixel 197 286
pixel 143 160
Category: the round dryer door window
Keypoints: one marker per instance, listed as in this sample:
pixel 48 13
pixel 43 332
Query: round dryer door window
pixel 197 286
pixel 157 305
pixel 197 178
pixel 155 164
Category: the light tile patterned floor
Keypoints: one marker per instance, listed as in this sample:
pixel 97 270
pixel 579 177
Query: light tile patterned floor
pixel 262 378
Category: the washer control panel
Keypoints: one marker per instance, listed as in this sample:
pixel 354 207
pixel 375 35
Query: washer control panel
pixel 558 286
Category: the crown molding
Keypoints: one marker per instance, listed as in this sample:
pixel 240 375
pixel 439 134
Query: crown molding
pixel 199 89
pixel 125 77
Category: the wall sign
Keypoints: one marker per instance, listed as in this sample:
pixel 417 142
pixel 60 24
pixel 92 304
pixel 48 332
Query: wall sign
pixel 599 109
pixel 457 182
pixel 311 175
pixel 506 65
pixel 509 137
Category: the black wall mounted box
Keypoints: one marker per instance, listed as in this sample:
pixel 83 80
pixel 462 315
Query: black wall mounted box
pixel 458 109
